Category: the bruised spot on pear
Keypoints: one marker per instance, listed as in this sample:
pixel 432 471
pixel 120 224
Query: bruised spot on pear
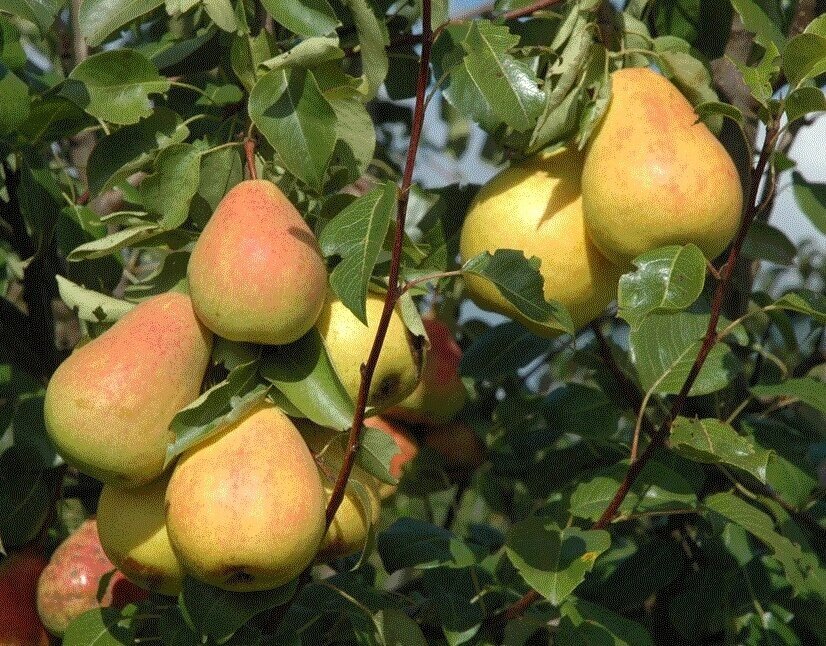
pixel 108 406
pixel 256 272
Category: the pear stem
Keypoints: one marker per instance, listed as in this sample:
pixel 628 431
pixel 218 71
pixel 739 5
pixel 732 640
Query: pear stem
pixel 249 151
pixel 709 340
pixel 394 290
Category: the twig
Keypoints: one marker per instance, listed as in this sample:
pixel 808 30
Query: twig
pixel 249 151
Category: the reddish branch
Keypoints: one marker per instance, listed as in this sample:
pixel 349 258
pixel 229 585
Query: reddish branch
pixel 249 151
pixel 393 287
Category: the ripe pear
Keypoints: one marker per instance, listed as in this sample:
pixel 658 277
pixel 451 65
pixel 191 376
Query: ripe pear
pixel 458 444
pixel 19 623
pixel 655 175
pixel 256 273
pixel 359 509
pixel 133 532
pixel 408 450
pixel 348 342
pixel 440 393
pixel 245 508
pixel 108 406
pixel 535 206
pixel 69 585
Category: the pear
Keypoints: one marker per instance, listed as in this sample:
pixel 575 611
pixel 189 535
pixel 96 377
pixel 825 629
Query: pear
pixel 245 508
pixel 348 342
pixel 440 393
pixel 408 450
pixel 109 404
pixel 359 509
pixel 458 444
pixel 655 175
pixel 535 206
pixel 19 623
pixel 70 584
pixel 133 533
pixel 256 273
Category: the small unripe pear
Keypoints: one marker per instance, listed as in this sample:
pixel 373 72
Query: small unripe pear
pixel 19 623
pixel 458 444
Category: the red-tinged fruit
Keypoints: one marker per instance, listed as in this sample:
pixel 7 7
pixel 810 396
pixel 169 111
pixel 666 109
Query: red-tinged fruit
pixel 109 405
pixel 70 584
pixel 19 622
pixel 458 444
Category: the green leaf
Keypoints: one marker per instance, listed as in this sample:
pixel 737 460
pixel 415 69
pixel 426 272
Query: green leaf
pixel 114 242
pixel 373 40
pixel 708 108
pixel 99 18
pixel 53 117
pixel 410 542
pixel 658 488
pixel 221 169
pixel 90 305
pixel 519 281
pixel 40 12
pixel 811 198
pixel 302 372
pixel 664 347
pixel 287 106
pixel 765 242
pixel 14 108
pixel 222 14
pixel 804 57
pixel 99 627
pixel 304 17
pixel 395 628
pixel 376 450
pixel 796 564
pixel 169 276
pixel 755 20
pixel 803 101
pixel 806 302
pixel 554 561
pixel 115 86
pixel 25 492
pixel 484 81
pixel 218 613
pixel 169 190
pixel 668 279
pixel 357 234
pixel 308 53
pixel 760 79
pixel 808 390
pixel 713 442
pixel 222 405
pixel 583 623
pixel 502 350
pixel 457 599
pixel 582 410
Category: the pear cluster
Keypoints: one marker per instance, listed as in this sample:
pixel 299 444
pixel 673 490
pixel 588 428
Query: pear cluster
pixel 244 509
pixel 651 175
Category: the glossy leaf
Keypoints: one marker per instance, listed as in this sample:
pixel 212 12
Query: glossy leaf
pixel 169 190
pixel 99 627
pixel 501 350
pixel 804 57
pixel 376 450
pixel 582 410
pixel 90 305
pixel 414 543
pixel 583 622
pixel 373 39
pixel 14 109
pixel 757 22
pixel 40 12
pixel 808 390
pixel 395 628
pixel 806 302
pixel 99 18
pixel 304 17
pixel 803 101
pixel 811 198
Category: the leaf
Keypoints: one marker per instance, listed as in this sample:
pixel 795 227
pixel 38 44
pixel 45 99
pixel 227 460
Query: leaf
pixel 553 561
pixel 757 22
pixel 806 302
pixel 40 12
pixel 24 496
pixel 766 242
pixel 804 57
pixel 808 390
pixel 223 404
pixel 115 86
pixel 303 373
pixel 373 40
pixel 169 190
pixel 664 347
pixel 357 234
pixel 760 78
pixel 668 279
pixel 484 81
pixel 287 106
pixel 304 17
pixel 803 101
pixel 99 18
pixel 811 198
pixel 708 108
pixel 410 542
pixel 583 623
pixel 114 242
pixel 501 350
pixel 582 410
pixel 395 628
pixel 519 281
pixel 307 53
pixel 457 599
pixel 99 627
pixel 14 108
pixel 376 451
pixel 222 14
pixel 218 613
pixel 713 442
pixel 90 305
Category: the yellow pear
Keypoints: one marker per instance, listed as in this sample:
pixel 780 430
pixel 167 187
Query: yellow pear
pixel 256 273
pixel 535 206
pixel 361 504
pixel 348 342
pixel 245 508
pixel 440 393
pixel 655 175
pixel 133 533
pixel 108 406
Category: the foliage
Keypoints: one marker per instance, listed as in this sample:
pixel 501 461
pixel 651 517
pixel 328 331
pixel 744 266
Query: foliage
pixel 721 537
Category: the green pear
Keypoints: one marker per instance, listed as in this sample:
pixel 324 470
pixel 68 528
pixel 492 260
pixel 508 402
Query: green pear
pixel 133 533
pixel 655 175
pixel 245 508
pixel 535 206
pixel 348 342
pixel 440 393
pixel 360 506
pixel 256 273
pixel 109 405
